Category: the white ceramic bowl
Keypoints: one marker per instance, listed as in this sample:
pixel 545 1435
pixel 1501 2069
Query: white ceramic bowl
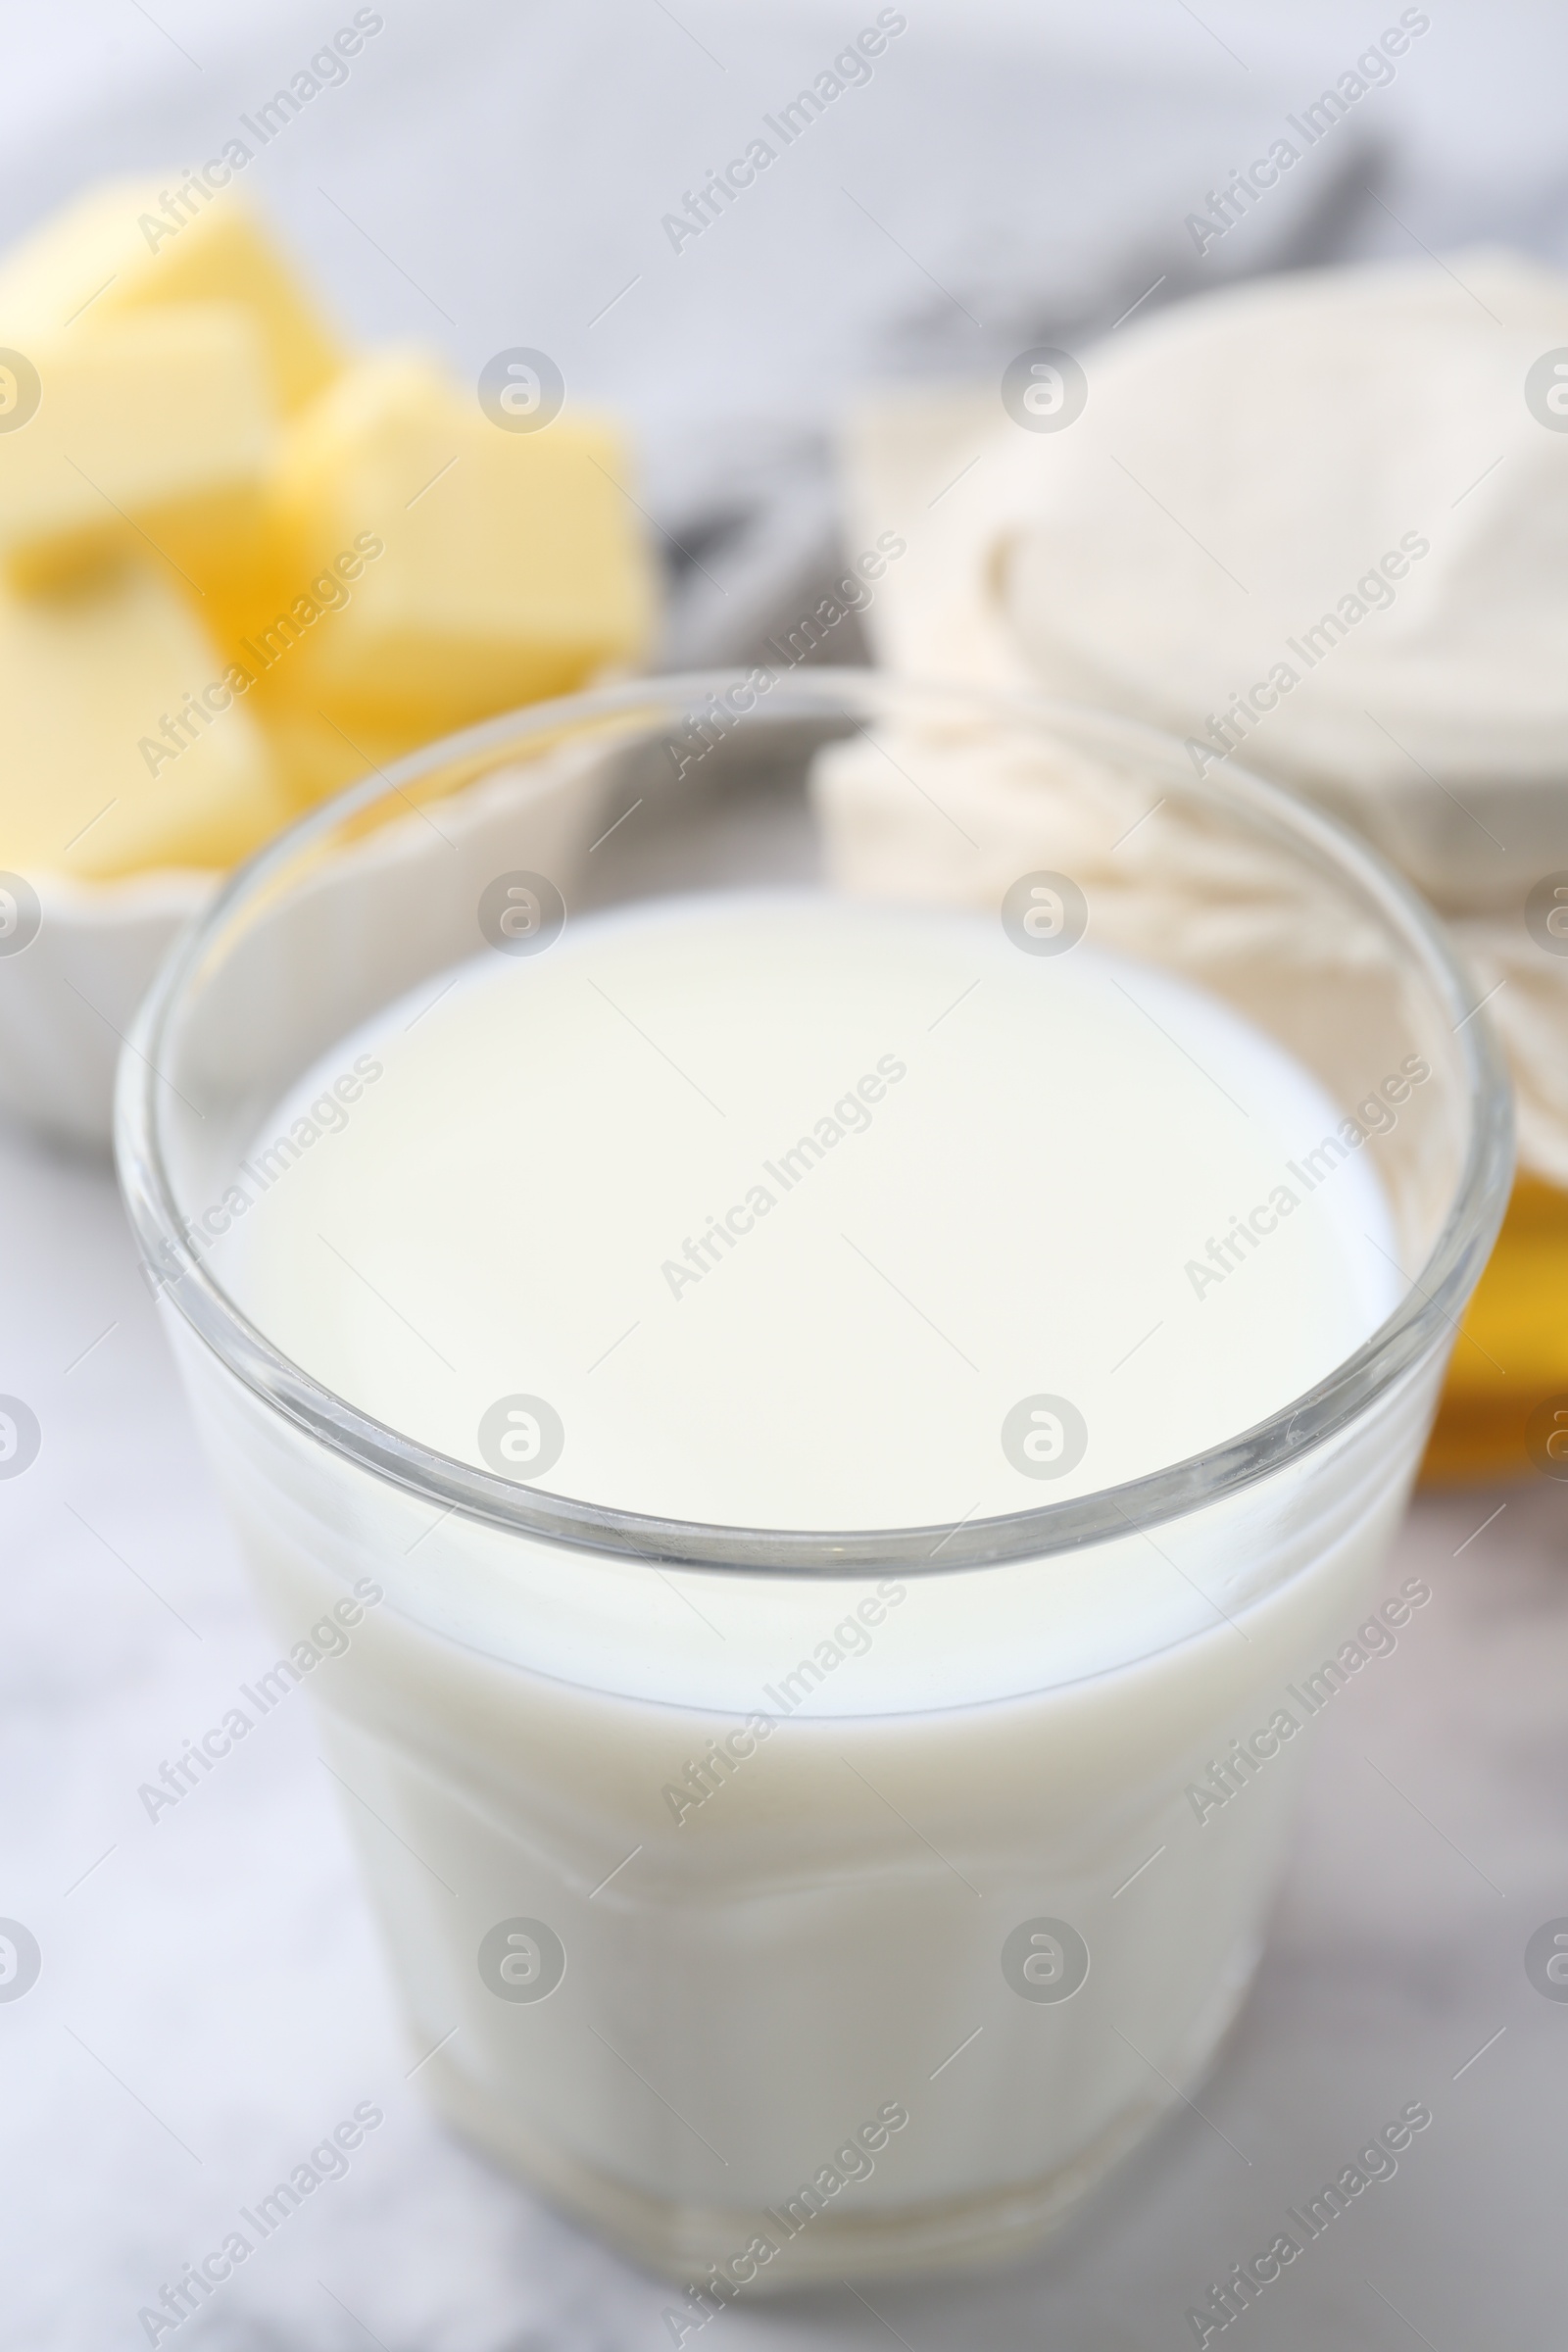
pixel 67 997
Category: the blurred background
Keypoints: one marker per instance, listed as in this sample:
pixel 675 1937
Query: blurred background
pixel 1009 174
pixel 484 179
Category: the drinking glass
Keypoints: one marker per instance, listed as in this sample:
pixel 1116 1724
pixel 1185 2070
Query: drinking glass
pixel 948 1933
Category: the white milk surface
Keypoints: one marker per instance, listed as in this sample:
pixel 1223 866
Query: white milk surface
pixel 787 1831
pixel 783 1202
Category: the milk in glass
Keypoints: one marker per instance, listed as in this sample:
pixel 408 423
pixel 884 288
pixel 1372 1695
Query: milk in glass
pixel 780 1921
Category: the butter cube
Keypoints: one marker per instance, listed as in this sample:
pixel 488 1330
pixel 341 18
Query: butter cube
pixel 314 758
pixel 130 244
pixel 153 433
pixel 488 567
pixel 122 745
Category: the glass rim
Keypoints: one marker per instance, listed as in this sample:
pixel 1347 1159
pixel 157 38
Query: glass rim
pixel 1412 1330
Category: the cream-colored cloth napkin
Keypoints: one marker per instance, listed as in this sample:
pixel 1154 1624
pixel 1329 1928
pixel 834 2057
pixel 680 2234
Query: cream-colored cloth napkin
pixel 1355 477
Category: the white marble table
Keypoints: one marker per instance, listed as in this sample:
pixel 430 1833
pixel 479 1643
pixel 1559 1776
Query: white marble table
pixel 212 1999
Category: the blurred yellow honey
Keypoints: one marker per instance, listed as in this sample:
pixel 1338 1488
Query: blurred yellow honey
pixel 1512 1352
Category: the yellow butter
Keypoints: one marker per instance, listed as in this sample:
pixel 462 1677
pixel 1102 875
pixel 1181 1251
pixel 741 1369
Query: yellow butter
pixel 121 746
pixel 129 243
pixel 313 756
pixel 154 434
pixel 511 567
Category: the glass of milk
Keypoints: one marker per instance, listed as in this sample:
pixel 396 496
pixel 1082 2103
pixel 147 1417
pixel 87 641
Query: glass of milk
pixel 814 1300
